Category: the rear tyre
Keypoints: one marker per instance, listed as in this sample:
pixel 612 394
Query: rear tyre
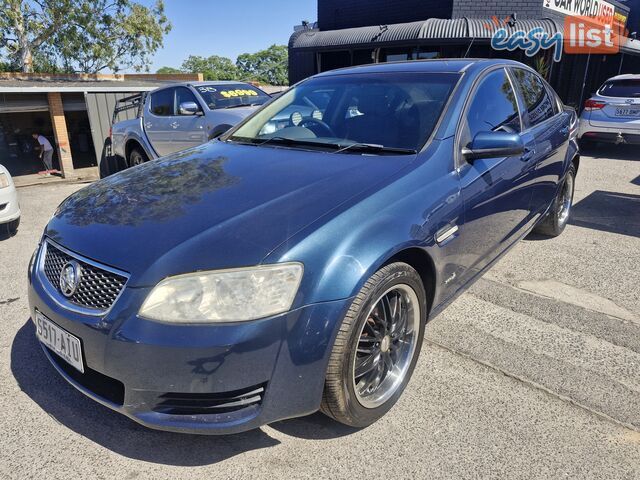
pixel 377 346
pixel 137 157
pixel 556 219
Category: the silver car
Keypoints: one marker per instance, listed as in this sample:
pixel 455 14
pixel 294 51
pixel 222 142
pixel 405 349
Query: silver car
pixel 612 115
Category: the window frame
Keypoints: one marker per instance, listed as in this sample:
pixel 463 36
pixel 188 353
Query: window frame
pixel 176 105
pixel 553 98
pixel 173 103
pixel 459 161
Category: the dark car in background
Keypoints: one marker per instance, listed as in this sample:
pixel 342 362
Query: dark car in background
pixel 292 264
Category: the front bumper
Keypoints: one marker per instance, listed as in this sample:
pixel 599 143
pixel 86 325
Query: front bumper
pixel 168 377
pixel 9 206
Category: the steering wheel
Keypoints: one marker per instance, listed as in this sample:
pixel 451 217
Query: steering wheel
pixel 325 130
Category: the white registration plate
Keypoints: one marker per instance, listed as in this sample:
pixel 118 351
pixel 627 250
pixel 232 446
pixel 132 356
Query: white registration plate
pixel 65 345
pixel 627 112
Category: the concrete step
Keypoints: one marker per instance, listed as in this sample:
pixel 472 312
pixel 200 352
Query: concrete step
pixel 582 356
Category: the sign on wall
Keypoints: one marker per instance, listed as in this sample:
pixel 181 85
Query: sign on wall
pixel 596 9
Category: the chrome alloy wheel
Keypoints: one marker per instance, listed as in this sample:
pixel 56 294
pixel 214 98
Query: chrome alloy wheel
pixel 565 201
pixel 386 346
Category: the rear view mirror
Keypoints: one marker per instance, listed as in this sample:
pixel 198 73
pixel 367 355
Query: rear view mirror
pixel 493 145
pixel 189 108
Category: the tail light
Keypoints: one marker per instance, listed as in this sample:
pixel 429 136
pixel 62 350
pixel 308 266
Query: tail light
pixel 594 105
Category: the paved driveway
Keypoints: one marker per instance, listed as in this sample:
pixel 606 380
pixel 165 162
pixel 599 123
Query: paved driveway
pixel 534 373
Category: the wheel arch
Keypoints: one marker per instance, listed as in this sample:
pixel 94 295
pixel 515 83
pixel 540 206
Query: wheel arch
pixel 421 262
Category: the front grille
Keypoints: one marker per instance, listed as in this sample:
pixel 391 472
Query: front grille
pixel 98 288
pixel 210 403
pixel 101 385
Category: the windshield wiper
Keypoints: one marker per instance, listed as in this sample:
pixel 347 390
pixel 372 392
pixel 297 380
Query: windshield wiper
pixel 243 105
pixel 374 148
pixel 277 140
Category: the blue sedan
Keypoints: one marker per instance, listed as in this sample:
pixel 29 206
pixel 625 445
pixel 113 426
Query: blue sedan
pixel 291 265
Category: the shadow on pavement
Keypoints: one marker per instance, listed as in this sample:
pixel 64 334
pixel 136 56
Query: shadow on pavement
pixel 314 427
pixel 612 152
pixel 39 380
pixel 609 212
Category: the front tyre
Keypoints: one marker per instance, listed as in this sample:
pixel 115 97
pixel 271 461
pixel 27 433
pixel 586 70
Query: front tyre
pixel 558 216
pixel 377 347
pixel 12 227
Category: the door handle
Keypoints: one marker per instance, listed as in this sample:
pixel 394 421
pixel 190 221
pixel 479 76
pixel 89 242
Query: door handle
pixel 174 125
pixel 564 131
pixel 528 154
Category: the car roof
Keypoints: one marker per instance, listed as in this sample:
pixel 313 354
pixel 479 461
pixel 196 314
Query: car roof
pixel 444 65
pixel 626 76
pixel 217 82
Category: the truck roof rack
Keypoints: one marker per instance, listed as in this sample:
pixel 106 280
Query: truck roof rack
pixel 129 103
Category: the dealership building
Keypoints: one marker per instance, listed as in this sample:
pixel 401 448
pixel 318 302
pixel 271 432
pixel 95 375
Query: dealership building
pixel 73 111
pixel 357 32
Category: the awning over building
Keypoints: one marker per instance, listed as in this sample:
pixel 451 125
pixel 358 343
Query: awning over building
pixel 431 29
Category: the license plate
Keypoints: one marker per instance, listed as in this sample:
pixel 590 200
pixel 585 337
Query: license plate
pixel 627 112
pixel 65 345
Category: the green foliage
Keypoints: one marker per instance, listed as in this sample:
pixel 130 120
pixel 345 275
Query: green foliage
pixel 268 66
pixel 168 70
pixel 81 35
pixel 213 67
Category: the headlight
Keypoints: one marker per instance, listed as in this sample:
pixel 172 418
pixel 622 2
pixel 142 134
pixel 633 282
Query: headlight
pixel 234 295
pixel 4 180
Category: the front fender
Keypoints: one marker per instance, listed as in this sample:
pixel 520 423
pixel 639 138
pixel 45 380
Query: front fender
pixel 342 253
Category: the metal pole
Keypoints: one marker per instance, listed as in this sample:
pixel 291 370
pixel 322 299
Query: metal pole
pixel 584 80
pixel 621 60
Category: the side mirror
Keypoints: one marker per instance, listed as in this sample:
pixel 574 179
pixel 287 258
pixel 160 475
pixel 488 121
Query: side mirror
pixel 493 145
pixel 189 108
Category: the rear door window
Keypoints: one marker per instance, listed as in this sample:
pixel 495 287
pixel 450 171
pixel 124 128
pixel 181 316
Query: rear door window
pixel 162 102
pixel 621 88
pixel 538 102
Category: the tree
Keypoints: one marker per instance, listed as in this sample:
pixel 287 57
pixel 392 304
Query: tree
pixel 168 70
pixel 82 35
pixel 268 66
pixel 213 67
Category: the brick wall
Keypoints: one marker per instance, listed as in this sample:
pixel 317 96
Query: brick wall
pixel 338 14
pixel 501 8
pixel 59 124
pixel 179 77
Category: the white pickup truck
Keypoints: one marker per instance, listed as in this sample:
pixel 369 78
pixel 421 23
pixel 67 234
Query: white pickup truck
pixel 178 117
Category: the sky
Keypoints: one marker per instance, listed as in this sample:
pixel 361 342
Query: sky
pixel 228 28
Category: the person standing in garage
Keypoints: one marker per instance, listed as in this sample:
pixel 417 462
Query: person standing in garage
pixel 46 152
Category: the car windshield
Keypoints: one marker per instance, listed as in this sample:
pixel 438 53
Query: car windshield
pixel 621 88
pixel 232 95
pixel 389 112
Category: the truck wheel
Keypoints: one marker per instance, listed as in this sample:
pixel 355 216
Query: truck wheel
pixel 219 130
pixel 137 157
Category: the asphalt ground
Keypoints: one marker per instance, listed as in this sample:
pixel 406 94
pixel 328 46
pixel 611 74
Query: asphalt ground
pixel 533 373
